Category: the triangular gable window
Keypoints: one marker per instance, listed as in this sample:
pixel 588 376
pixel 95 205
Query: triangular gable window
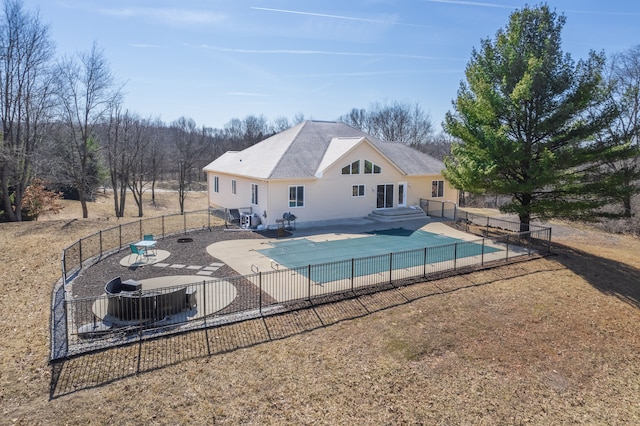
pixel 352 169
pixel 370 168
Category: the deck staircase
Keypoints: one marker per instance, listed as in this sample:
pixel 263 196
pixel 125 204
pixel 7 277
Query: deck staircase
pixel 397 214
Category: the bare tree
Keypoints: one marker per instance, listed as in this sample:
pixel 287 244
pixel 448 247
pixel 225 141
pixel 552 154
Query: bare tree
pixel 25 88
pixel 138 135
pixel 298 118
pixel 437 146
pixel 86 92
pixel 400 122
pixel 357 118
pixel 280 124
pixel 158 153
pixel 255 129
pixel 117 158
pixel 396 121
pixel 188 148
pixel 624 79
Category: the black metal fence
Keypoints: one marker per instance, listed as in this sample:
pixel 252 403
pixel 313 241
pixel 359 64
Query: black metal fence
pixel 436 208
pixel 117 237
pixel 202 304
pixel 492 223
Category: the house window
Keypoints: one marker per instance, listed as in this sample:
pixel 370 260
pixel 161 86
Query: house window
pixel 296 196
pixel 357 191
pixel 216 184
pixel 254 193
pixel 370 168
pixel 352 169
pixel 437 188
pixel 233 186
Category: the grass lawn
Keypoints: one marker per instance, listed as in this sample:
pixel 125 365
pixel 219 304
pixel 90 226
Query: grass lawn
pixel 553 340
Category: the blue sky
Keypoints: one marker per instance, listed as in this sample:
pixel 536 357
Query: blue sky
pixel 217 60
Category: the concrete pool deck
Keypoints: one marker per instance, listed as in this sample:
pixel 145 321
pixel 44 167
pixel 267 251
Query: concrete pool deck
pixel 241 255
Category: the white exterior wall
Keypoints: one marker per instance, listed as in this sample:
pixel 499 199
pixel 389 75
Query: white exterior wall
pixel 328 196
pixel 242 198
pixel 420 187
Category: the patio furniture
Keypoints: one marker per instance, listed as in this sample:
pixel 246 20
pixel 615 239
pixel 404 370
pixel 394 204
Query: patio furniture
pixel 191 298
pixel 151 305
pixel 149 237
pixel 289 217
pixel 116 286
pixel 146 246
pixel 138 251
pixel 233 217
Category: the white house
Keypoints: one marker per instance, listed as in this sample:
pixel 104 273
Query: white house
pixel 322 170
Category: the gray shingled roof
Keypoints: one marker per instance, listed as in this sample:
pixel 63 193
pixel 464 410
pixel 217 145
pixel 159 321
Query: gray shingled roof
pixel 297 153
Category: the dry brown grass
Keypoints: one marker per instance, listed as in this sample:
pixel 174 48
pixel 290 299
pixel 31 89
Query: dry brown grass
pixel 550 341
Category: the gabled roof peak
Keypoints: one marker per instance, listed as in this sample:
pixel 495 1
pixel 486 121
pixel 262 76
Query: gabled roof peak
pixel 301 152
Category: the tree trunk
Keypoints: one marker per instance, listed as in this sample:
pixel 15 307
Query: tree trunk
pixel 82 196
pixel 525 213
pixel 6 198
pixel 626 203
pixel 85 211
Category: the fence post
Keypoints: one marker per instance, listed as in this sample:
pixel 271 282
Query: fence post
pixel 184 222
pixel 455 256
pixel 390 268
pixel 66 322
pixel 119 236
pixel 424 263
pixel 101 243
pixel 204 300
pixel 260 292
pixel 442 210
pixel 507 251
pixel 309 282
pixel 482 253
pixel 353 269
pixel 140 314
pixel 64 269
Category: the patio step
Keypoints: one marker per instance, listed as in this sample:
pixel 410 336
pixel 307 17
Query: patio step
pixel 397 214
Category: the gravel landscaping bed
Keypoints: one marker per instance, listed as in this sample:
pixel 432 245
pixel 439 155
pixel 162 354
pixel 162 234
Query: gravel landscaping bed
pixel 91 280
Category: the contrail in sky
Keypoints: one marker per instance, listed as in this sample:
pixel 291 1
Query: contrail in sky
pixel 324 15
pixel 324 52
